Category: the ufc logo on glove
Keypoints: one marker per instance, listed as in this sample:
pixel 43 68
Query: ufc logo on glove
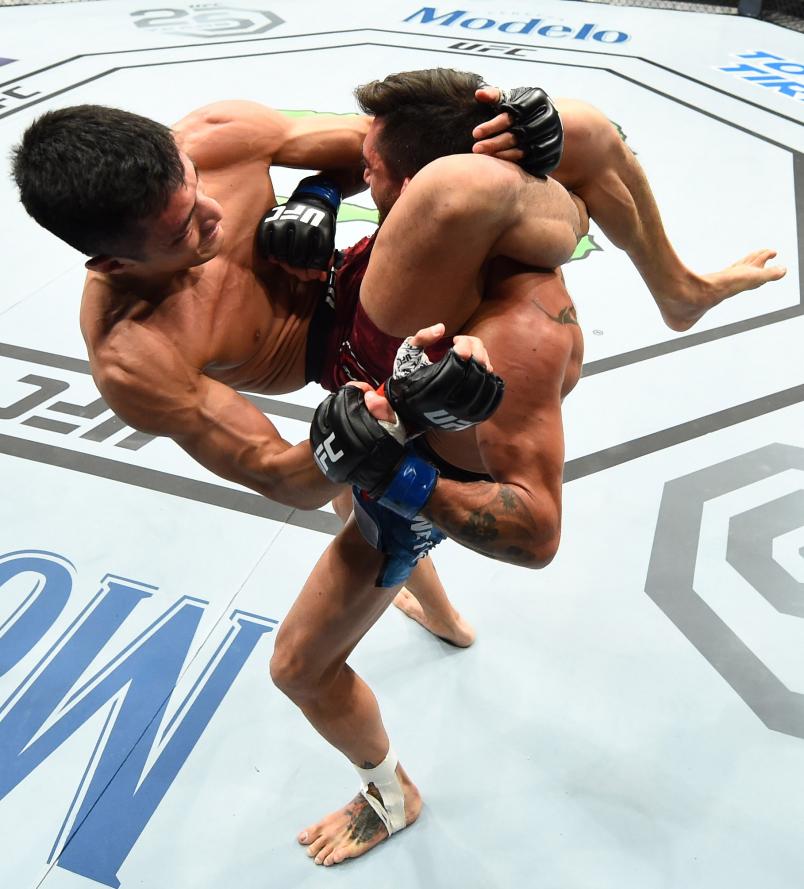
pixel 326 452
pixel 307 215
pixel 445 420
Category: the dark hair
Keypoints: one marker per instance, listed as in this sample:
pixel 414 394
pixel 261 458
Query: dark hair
pixel 425 115
pixel 91 175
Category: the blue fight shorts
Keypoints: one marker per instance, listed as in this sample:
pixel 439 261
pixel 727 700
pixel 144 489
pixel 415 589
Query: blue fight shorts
pixel 402 541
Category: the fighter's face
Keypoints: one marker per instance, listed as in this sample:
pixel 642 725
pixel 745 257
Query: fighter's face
pixel 188 231
pixel 385 188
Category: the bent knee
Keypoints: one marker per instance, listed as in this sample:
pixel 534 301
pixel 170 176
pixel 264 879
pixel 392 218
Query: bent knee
pixel 292 673
pixel 584 125
pixel 465 187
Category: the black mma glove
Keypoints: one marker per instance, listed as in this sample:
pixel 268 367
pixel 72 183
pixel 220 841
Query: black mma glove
pixel 349 445
pixel 452 394
pixel 537 127
pixel 302 231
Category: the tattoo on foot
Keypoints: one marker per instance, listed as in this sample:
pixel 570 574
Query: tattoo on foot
pixel 364 825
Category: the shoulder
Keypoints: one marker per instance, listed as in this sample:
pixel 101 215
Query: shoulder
pixel 132 356
pixel 142 375
pixel 227 132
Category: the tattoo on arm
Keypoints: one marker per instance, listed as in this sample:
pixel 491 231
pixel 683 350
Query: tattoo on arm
pixel 489 518
pixel 567 315
pixel 509 499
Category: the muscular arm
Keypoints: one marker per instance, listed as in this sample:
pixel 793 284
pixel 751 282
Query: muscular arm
pixel 504 521
pixel 157 392
pixel 517 517
pixel 227 133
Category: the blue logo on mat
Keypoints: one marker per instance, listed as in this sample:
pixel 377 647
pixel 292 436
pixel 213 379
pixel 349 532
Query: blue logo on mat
pixel 429 15
pixel 137 754
pixel 772 72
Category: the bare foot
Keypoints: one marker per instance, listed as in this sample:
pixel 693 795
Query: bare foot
pixel 356 828
pixel 680 313
pixel 453 629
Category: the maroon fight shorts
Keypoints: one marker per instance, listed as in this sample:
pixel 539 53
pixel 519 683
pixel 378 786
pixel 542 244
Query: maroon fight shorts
pixel 343 343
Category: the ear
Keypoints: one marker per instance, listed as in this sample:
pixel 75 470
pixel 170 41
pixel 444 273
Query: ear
pixel 108 265
pixel 405 183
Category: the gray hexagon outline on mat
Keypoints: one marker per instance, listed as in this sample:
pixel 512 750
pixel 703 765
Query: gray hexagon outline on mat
pixel 671 576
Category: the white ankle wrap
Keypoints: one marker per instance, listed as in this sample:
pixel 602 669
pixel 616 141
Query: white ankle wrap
pixel 391 810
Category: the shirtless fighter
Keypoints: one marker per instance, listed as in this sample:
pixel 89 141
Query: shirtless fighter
pixel 179 308
pixel 175 317
pixel 448 250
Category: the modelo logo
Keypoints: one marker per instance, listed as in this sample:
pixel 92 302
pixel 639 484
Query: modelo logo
pixel 428 15
pixel 207 20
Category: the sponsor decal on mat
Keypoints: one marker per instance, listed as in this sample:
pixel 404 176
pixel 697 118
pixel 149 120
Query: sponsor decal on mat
pixel 535 27
pixel 770 71
pixel 86 666
pixel 209 20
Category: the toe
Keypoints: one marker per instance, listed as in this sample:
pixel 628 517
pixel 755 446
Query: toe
pixel 324 855
pixel 339 855
pixel 309 835
pixel 314 849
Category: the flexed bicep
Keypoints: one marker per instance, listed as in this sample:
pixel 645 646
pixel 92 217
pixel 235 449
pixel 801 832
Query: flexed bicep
pixel 516 516
pixel 215 425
